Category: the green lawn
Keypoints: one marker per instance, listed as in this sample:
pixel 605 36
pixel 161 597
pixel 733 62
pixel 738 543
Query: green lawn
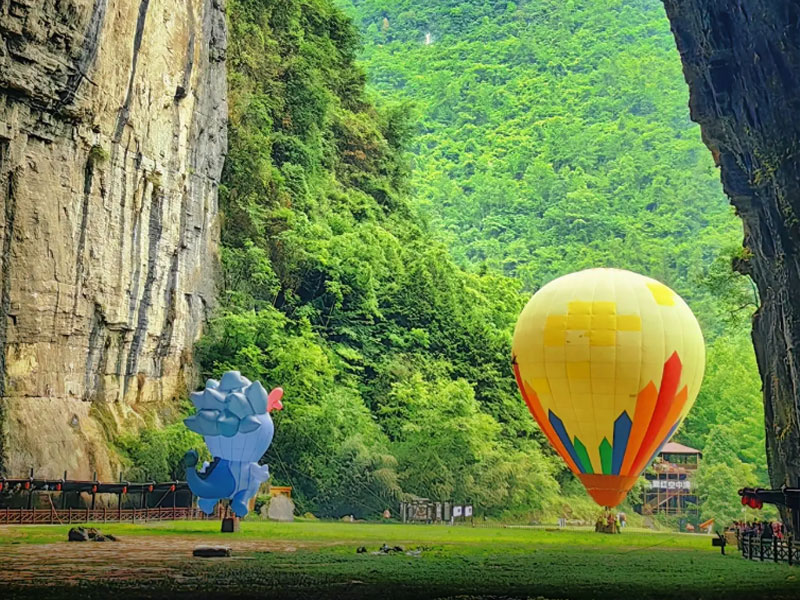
pixel 315 560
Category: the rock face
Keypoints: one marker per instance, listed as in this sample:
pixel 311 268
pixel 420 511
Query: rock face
pixel 741 60
pixel 112 139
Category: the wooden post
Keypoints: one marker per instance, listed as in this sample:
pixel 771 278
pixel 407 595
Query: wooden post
pixel 94 497
pixel 774 549
pixel 64 491
pixel 761 548
pixel 30 490
pixel 658 493
pixel 789 548
pixel 750 546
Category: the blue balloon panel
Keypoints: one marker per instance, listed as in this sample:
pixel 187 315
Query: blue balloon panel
pixel 233 418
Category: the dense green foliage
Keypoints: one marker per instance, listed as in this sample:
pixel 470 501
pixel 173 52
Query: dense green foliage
pixel 544 137
pixel 553 136
pixel 157 454
pixel 394 360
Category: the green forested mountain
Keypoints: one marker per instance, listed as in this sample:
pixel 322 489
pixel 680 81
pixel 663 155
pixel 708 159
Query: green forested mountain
pixel 383 227
pixel 551 136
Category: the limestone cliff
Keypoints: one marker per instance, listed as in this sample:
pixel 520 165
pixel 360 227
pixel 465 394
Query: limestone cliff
pixel 741 60
pixel 112 139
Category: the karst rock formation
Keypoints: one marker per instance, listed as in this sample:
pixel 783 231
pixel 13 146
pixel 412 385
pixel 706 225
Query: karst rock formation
pixel 112 139
pixel 741 60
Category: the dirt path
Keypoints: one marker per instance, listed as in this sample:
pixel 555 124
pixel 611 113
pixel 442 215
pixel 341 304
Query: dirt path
pixel 139 558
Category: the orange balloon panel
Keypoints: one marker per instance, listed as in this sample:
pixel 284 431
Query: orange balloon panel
pixel 609 363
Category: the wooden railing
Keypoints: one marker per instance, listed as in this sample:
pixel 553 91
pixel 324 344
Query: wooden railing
pixel 33 516
pixel 772 549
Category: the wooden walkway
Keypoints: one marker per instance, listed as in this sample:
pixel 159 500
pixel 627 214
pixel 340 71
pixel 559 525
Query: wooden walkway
pixel 39 516
pixel 140 509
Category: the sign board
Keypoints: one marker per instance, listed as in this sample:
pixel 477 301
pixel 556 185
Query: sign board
pixel 458 511
pixel 670 484
pixel 467 511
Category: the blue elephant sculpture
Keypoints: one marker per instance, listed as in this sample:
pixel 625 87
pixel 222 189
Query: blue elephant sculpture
pixel 233 416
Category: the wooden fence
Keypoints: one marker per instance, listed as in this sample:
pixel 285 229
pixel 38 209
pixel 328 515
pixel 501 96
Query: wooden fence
pixel 769 549
pixel 33 516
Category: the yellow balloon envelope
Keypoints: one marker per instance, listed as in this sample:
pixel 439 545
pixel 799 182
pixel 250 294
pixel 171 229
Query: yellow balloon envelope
pixel 609 362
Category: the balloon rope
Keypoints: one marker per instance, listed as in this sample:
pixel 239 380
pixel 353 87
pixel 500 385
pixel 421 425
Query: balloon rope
pixel 669 539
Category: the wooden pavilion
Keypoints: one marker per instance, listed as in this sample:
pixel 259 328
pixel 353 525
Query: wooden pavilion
pixel 671 485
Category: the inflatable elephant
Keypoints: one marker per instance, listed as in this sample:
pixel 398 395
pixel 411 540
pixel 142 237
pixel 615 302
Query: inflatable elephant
pixel 233 418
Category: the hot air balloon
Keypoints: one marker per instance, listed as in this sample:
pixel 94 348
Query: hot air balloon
pixel 609 363
pixel 233 417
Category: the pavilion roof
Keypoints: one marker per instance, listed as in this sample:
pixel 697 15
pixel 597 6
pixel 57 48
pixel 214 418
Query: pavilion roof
pixel 676 448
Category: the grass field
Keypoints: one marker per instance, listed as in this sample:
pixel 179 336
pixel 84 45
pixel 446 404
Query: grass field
pixel 319 560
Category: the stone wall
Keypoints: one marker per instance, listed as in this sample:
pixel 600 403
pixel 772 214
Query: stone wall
pixel 742 63
pixel 112 138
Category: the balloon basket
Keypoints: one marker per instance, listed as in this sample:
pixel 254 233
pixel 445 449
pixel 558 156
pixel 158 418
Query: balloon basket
pixel 606 529
pixel 607 522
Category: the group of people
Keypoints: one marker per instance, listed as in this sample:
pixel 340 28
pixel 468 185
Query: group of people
pixel 762 529
pixel 610 522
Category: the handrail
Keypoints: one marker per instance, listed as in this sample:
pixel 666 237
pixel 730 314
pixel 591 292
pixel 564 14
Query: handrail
pixel 754 547
pixel 50 516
